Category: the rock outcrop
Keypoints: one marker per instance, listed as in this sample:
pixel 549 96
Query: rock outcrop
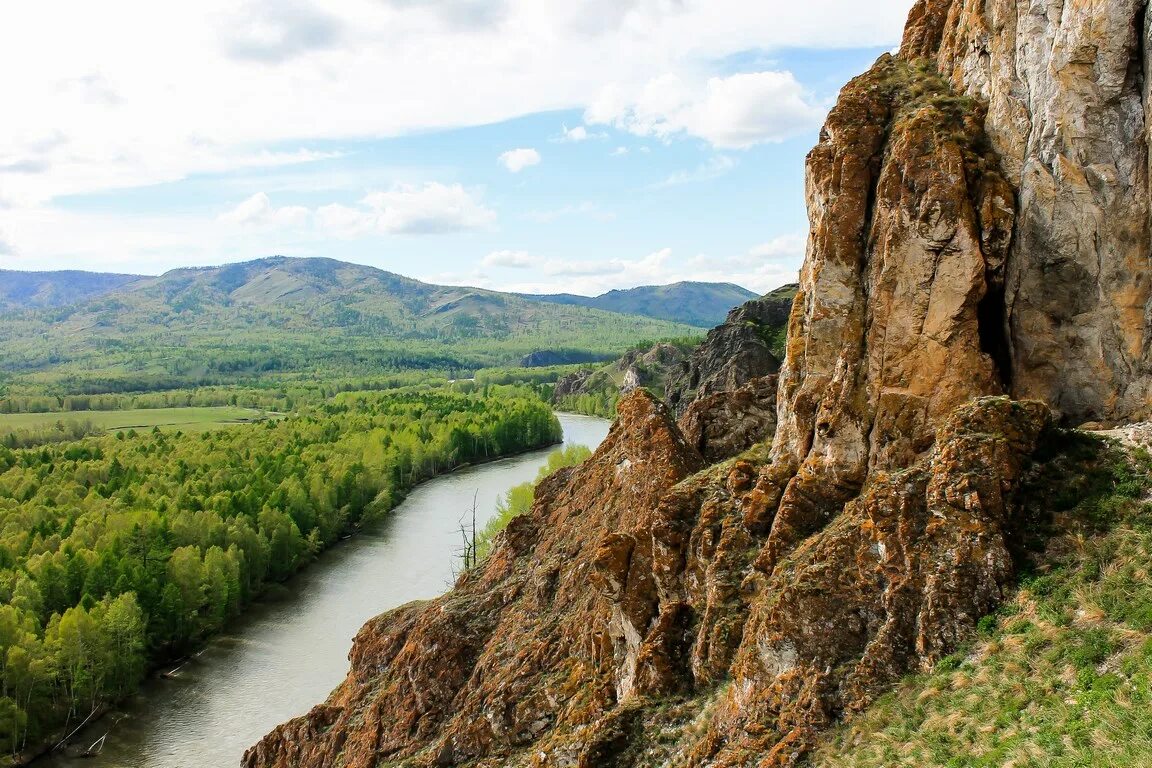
pixel 728 423
pixel 1066 86
pixel 735 352
pixel 978 267
pixel 638 368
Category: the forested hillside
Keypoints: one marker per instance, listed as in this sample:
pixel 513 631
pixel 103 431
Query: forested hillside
pixel 289 319
pixel 31 290
pixel 699 304
pixel 120 551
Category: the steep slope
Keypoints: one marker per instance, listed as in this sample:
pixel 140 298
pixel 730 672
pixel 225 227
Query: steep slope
pixel 979 223
pixel 747 346
pixel 298 315
pixel 37 290
pixel 597 390
pixel 1066 89
pixel 700 304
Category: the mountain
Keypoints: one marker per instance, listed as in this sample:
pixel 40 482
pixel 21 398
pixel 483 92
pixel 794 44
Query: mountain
pixel 289 316
pixel 31 290
pixel 927 519
pixel 700 304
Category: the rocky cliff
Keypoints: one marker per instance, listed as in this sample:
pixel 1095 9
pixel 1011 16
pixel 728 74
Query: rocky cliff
pixel 746 346
pixel 977 271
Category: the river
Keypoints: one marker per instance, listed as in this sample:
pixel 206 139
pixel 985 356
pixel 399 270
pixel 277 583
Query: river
pixel 285 655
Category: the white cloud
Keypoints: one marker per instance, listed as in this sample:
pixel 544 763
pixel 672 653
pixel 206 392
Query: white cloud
pixel 780 248
pixel 619 151
pixel 259 211
pixel 433 208
pixel 516 160
pixel 217 81
pixel 579 133
pixel 274 31
pixel 712 168
pixel 510 260
pixel 732 112
pixel 585 208
pixel 761 268
pixel 405 209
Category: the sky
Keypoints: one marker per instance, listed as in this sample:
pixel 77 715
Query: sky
pixel 528 145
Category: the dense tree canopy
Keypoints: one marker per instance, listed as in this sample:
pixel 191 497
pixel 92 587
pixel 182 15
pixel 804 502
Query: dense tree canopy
pixel 127 549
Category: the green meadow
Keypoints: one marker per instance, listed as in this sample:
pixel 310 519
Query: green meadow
pixel 186 419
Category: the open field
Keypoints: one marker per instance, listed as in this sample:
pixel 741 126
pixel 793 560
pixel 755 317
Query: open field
pixel 186 419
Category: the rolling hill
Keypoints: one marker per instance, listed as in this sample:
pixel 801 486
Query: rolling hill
pixel 286 316
pixel 700 304
pixel 33 290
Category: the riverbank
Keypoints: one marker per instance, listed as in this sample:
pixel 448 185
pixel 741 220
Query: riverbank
pixel 290 648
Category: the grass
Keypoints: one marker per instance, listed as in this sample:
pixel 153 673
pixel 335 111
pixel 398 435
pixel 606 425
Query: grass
pixel 1062 674
pixel 186 419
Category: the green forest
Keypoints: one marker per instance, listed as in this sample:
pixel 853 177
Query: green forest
pixel 124 550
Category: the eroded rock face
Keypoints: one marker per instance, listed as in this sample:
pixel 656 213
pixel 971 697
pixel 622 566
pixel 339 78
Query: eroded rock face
pixel 734 353
pixel 725 424
pixel 895 583
pixel 1067 88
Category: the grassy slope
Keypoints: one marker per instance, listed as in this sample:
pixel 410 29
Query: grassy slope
pixel 1062 676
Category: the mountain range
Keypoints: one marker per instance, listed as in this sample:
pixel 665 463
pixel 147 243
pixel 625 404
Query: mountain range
pixel 701 304
pixel 289 315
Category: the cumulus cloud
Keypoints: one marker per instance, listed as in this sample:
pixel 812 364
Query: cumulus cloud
pixel 185 98
pixel 510 260
pixel 734 112
pixel 463 15
pixel 578 134
pixel 405 209
pixel 274 31
pixel 516 160
pixel 258 211
pixel 432 208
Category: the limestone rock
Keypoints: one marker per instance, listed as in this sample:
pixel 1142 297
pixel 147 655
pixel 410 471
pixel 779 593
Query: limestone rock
pixel 1067 91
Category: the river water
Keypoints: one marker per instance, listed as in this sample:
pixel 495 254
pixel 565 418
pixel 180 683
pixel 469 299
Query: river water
pixel 284 656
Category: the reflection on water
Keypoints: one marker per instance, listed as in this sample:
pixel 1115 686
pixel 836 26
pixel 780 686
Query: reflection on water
pixel 285 655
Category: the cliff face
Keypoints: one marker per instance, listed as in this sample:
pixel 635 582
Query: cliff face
pixel 979 211
pixel 1066 86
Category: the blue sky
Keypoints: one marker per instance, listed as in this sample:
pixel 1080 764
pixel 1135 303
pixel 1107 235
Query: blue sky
pixel 651 146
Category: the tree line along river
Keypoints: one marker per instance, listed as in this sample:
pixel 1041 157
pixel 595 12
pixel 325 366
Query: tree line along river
pixel 285 655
